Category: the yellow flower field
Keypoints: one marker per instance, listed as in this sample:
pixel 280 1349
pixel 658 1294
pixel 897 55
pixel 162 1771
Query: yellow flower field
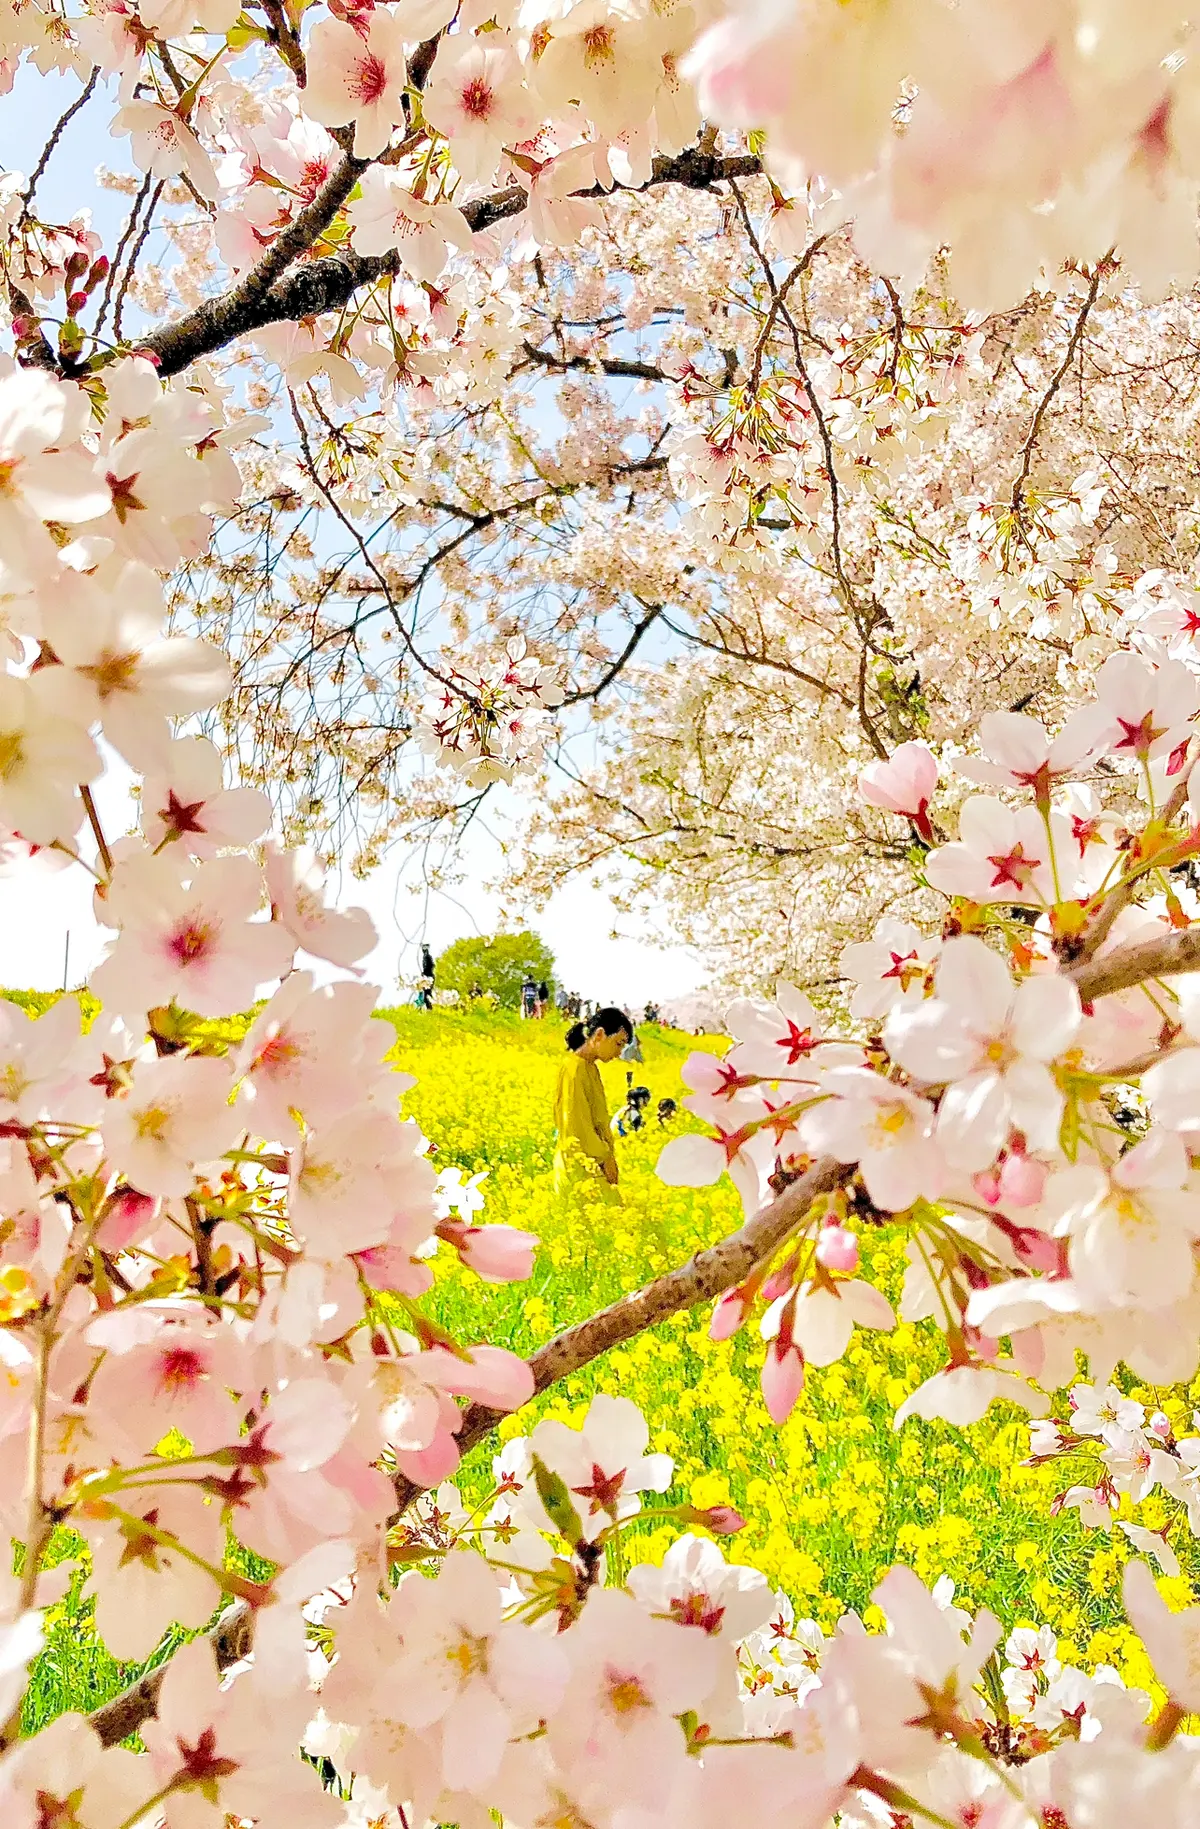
pixel 835 1496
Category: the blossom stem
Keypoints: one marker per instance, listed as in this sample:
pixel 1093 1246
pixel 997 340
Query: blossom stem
pixel 139 1815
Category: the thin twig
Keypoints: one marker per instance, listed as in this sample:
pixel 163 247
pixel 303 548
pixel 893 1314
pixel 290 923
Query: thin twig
pixel 131 263
pixel 48 149
pixel 1018 489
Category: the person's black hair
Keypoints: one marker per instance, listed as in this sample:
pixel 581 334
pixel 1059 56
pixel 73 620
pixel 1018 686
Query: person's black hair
pixel 613 1022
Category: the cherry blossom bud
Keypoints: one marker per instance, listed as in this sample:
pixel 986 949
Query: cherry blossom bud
pixel 722 1520
pixel 782 1379
pixel 498 1254
pixel 99 272
pixel 837 1249
pixel 129 1216
pixel 1022 1180
pixel 779 1282
pixel 903 784
pixel 76 302
pixel 728 1315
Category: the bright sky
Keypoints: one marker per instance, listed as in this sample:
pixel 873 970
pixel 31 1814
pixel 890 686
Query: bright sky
pixel 40 909
pixel 37 912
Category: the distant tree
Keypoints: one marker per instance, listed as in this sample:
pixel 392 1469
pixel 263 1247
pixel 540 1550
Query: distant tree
pixel 497 965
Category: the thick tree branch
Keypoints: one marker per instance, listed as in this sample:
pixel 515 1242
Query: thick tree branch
pixel 1127 966
pixel 704 1276
pixel 268 295
pixel 230 1637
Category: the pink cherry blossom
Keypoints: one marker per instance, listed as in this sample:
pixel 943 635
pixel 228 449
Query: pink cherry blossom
pixel 176 1114
pixel 295 883
pixel 189 938
pixel 43 759
pixel 631 1675
pixel 1003 856
pixel 903 784
pixel 465 1674
pixel 47 477
pixel 186 803
pixel 359 77
pixel 1151 708
pixel 475 98
pixel 890 968
pixel 885 1128
pixel 1019 754
pixel 992 1041
pixel 119 669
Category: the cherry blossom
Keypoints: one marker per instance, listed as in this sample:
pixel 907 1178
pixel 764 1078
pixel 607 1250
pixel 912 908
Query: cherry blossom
pixel 295 882
pixel 187 803
pixel 993 1041
pixel 177 1113
pixel 43 759
pixel 359 77
pixel 904 784
pixel 475 98
pixel 886 1129
pixel 190 938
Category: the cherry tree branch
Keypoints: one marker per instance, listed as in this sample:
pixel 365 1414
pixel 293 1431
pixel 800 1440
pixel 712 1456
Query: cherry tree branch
pixel 269 295
pixel 116 1720
pixel 704 1276
pixel 1018 490
pixel 1137 963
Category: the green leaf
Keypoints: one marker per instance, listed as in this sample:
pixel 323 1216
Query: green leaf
pixel 552 1490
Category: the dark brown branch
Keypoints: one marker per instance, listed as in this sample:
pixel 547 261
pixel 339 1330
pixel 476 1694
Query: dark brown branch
pixel 606 365
pixel 56 133
pixel 264 296
pixel 1018 490
pixel 653 612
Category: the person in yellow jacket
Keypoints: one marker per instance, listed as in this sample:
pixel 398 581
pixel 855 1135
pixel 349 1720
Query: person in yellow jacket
pixel 584 1157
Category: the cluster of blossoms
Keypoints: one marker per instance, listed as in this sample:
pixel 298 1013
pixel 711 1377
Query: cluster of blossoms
pixel 989 1102
pixel 1139 1455
pixel 215 1250
pixel 1021 135
pixel 492 723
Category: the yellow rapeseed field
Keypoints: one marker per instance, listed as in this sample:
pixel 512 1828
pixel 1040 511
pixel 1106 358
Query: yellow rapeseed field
pixel 836 1496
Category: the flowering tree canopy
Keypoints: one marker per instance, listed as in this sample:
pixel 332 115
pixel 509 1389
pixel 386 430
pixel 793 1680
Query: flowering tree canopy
pixel 333 448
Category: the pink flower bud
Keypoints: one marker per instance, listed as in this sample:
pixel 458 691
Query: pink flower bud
pixel 1022 1180
pixel 778 1283
pixel 903 784
pixel 782 1379
pixel 498 1254
pixel 728 1315
pixel 837 1249
pixel 130 1215
pixel 722 1520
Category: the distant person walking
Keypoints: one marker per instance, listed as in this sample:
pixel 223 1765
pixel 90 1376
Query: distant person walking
pixel 543 1000
pixel 528 996
pixel 585 1158
pixel 425 981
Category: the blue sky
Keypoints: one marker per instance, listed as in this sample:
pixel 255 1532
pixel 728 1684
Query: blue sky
pixel 38 913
